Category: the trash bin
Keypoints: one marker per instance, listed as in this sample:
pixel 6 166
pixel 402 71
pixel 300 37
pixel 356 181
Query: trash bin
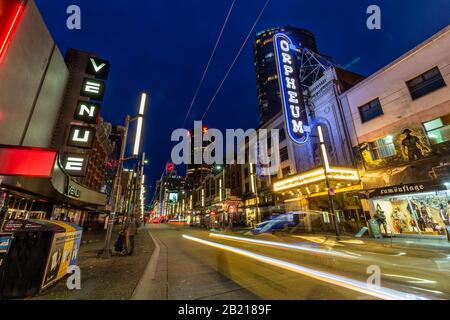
pixel 39 255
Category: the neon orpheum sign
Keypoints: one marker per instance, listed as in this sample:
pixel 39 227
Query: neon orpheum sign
pixel 294 110
pixel 10 13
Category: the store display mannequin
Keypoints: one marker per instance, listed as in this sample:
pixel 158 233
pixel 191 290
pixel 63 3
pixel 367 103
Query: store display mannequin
pixel 381 218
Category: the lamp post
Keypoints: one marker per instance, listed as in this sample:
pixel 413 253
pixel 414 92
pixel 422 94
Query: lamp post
pixel 326 168
pixel 118 177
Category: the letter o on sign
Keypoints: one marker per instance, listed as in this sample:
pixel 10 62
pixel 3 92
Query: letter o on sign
pixel 284 45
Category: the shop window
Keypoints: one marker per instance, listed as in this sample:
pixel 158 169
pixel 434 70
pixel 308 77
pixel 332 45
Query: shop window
pixel 425 83
pixel 284 155
pixel 382 148
pixel 371 110
pixel 438 130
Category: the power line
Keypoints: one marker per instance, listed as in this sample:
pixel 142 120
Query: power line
pixel 210 60
pixel 236 58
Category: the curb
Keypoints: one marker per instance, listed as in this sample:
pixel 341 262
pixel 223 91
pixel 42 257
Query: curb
pixel 142 290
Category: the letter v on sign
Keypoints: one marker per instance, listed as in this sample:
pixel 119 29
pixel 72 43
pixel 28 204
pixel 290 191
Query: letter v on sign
pixel 98 68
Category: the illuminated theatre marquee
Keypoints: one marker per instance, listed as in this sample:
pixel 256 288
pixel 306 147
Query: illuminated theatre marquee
pixel 296 119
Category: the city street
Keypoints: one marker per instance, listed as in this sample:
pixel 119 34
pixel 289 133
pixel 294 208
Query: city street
pixel 188 269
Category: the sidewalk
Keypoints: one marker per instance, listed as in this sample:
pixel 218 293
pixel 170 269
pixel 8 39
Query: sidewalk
pixel 104 279
pixel 179 271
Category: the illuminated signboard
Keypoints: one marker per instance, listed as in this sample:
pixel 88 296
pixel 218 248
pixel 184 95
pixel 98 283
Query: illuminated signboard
pixel 26 162
pixel 87 112
pixel 10 13
pixel 294 110
pixel 76 164
pixel 173 197
pixel 81 137
pixel 98 68
pixel 94 89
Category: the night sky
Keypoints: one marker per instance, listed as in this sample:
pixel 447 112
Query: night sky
pixel 162 47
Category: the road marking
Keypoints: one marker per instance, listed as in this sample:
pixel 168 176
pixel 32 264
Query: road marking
pixel 382 293
pixel 282 245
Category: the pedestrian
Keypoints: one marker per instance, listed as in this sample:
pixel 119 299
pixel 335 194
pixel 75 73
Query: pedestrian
pixel 131 234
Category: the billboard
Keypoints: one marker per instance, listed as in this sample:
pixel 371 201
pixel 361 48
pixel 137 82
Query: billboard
pixel 295 115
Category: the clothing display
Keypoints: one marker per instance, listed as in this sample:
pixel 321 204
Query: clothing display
pixel 421 214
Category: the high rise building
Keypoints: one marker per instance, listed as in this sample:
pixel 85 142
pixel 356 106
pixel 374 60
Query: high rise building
pixel 266 67
pixel 195 173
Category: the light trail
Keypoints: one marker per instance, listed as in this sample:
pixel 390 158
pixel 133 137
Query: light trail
pixel 381 293
pixel 283 245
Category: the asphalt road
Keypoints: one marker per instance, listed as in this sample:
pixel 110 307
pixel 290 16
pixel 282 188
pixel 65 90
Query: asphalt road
pixel 193 264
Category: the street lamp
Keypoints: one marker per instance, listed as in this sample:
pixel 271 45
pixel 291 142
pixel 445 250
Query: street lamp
pixel 326 166
pixel 143 101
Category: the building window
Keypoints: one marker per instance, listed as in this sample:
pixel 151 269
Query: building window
pixel 284 155
pixel 286 172
pixel 438 130
pixel 371 110
pixel 382 148
pixel 425 83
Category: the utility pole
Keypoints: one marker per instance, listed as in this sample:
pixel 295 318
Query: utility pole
pixel 326 168
pixel 118 177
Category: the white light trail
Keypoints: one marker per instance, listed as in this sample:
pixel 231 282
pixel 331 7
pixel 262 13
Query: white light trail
pixel 382 293
pixel 283 245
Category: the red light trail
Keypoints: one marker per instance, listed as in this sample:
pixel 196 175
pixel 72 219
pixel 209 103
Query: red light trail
pixel 7 38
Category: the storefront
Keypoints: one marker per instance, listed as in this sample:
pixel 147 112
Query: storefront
pixel 412 209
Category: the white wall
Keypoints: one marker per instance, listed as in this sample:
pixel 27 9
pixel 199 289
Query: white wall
pixel 32 82
pixel 389 85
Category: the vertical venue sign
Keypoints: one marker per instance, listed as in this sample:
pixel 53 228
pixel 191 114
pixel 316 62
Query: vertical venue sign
pixel 295 117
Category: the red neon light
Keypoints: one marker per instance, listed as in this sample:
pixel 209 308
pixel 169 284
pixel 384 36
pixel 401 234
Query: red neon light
pixel 27 162
pixel 16 17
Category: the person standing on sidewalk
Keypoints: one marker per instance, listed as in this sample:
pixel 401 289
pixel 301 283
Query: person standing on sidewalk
pixel 131 233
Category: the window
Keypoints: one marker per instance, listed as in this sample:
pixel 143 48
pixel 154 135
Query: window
pixel 438 130
pixel 286 171
pixel 382 148
pixel 425 83
pixel 371 110
pixel 284 155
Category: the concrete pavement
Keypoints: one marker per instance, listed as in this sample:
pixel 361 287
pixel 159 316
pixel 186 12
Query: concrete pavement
pixel 176 273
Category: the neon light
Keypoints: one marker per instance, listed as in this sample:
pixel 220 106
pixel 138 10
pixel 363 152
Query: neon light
pixel 316 176
pixel 282 245
pixel 11 30
pixel 137 139
pixel 291 96
pixel 27 162
pixel 358 286
pixel 143 104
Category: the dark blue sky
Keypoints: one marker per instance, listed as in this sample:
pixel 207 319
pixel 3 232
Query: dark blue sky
pixel 162 47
